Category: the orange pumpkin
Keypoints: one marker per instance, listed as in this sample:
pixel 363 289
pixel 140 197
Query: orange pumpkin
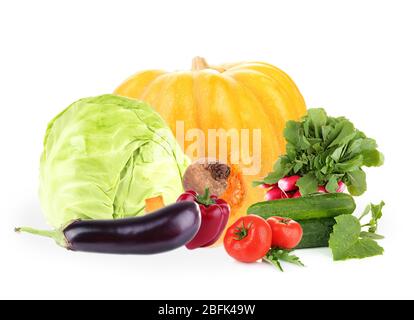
pixel 247 95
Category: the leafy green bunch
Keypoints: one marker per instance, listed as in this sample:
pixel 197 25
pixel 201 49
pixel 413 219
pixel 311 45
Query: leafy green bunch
pixel 324 150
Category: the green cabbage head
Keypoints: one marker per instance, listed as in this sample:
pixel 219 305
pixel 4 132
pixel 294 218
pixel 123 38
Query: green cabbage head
pixel 103 156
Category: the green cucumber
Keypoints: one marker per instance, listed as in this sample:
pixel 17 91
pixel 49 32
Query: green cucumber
pixel 316 232
pixel 315 206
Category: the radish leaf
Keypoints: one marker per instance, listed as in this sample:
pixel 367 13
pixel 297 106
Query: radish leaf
pixel 307 184
pixel 356 182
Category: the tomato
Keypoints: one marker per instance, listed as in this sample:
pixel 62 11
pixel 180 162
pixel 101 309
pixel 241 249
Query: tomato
pixel 248 239
pixel 286 233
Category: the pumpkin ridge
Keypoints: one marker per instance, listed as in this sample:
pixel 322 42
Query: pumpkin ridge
pixel 196 98
pixel 149 84
pixel 286 82
pixel 280 120
pixel 284 89
pixel 250 94
pixel 229 85
pixel 182 84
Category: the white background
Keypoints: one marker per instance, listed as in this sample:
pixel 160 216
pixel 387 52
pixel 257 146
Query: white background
pixel 354 58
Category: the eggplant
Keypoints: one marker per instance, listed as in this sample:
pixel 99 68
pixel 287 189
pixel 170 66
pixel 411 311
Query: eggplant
pixel 162 230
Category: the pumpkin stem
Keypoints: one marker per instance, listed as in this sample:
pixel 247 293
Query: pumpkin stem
pixel 199 63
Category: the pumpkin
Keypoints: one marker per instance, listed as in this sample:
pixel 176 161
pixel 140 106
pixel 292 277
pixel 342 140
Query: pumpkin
pixel 248 95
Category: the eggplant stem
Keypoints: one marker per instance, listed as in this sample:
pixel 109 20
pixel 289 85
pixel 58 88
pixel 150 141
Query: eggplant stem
pixel 56 235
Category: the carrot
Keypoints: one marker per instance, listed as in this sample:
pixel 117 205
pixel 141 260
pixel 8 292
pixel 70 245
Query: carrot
pixel 153 204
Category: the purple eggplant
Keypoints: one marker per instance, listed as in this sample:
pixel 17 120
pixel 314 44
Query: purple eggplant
pixel 163 230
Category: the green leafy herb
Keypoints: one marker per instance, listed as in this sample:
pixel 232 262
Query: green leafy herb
pixel 308 183
pixel 356 182
pixel 332 184
pixel 324 150
pixel 275 255
pixel 348 239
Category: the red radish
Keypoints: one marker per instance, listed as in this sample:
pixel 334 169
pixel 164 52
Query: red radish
pixel 286 195
pixel 288 183
pixel 297 194
pixel 322 189
pixel 341 187
pixel 275 193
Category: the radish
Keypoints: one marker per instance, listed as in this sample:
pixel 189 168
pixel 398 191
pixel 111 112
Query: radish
pixel 288 183
pixel 322 189
pixel 341 187
pixel 297 194
pixel 275 193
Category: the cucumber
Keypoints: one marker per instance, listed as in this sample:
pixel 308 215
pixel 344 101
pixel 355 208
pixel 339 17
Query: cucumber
pixel 316 232
pixel 315 206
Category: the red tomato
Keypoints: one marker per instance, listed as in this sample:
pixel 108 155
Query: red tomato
pixel 286 233
pixel 248 239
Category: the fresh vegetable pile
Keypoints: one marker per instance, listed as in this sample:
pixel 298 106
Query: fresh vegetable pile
pixel 113 179
pixel 324 224
pixel 324 154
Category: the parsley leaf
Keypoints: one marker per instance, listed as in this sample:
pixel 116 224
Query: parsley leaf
pixel 275 255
